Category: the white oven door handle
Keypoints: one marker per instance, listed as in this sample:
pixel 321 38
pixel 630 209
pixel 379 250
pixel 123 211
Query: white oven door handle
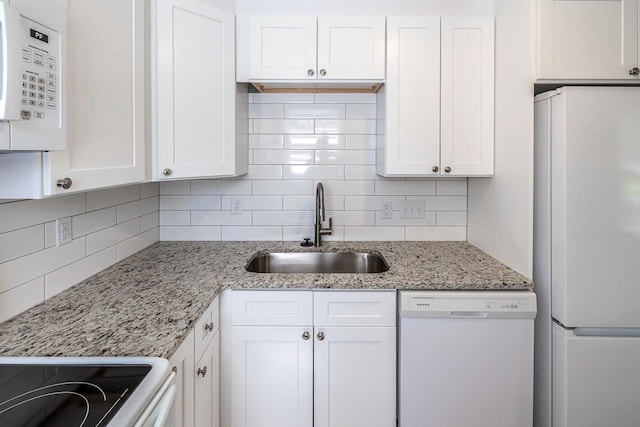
pixel 160 406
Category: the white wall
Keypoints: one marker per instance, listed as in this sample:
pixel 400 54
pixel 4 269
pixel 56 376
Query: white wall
pixel 501 208
pixel 295 141
pixel 108 226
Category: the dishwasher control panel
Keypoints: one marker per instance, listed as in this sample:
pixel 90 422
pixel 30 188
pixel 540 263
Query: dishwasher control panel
pixel 467 304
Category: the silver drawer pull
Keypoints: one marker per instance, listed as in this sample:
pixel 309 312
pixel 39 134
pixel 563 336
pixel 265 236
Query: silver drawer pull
pixel 208 327
pixel 202 371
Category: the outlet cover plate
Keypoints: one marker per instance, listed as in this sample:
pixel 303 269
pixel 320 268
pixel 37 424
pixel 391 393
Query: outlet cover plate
pixel 236 206
pixel 64 232
pixel 387 210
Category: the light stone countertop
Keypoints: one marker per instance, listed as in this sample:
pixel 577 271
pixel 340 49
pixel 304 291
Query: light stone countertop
pixel 146 304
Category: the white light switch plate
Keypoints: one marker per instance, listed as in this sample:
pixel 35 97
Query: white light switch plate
pixel 412 209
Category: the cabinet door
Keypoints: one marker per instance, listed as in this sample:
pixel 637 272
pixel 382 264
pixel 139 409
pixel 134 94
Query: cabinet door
pixel 207 386
pixel 282 47
pixel 193 87
pixel 579 39
pixel 272 376
pixel 105 97
pixel 412 139
pixel 355 377
pixel 351 47
pixel 467 96
pixel 182 359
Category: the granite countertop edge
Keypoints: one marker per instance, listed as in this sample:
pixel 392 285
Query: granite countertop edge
pixel 146 304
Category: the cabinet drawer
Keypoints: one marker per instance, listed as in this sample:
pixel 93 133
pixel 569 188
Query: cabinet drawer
pixel 206 327
pixel 354 308
pixel 256 308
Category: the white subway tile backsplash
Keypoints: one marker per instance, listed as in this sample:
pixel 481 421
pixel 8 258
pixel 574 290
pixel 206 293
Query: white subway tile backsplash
pixel 308 203
pixel 65 277
pixel 220 218
pixel 29 267
pixel 346 98
pixel 24 241
pixel 136 209
pixel 282 126
pixel 112 196
pixel 175 218
pixel 348 188
pixel 186 203
pixel 314 111
pixel 137 243
pixel 451 218
pixel 296 141
pixel 315 142
pixel 282 218
pixel 288 187
pixel 289 98
pixel 93 221
pixel 266 142
pixel 361 142
pixel 220 186
pixel 175 187
pixel 346 157
pixel 26 213
pixel 314 172
pixel 194 233
pixel 252 233
pixel 437 233
pixel 149 221
pixel 254 203
pixel 451 187
pixel 282 157
pixel 426 188
pixel 374 234
pixel 346 126
pixel 361 111
pixel 149 189
pixel 113 235
pixel 50 234
pixel 266 111
pixel 19 299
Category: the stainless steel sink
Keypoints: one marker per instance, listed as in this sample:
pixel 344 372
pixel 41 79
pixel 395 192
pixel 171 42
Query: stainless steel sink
pixel 317 262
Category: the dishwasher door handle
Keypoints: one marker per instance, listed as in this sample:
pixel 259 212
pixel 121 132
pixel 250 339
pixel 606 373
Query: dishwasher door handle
pixel 469 314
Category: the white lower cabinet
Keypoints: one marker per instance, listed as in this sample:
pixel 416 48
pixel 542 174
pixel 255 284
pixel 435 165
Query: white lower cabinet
pixel 340 371
pixel 197 363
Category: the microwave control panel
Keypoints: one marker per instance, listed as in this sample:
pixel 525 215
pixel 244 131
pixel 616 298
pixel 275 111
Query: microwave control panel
pixel 41 73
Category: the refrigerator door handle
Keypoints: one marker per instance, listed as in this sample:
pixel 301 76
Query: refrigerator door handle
pixel 607 332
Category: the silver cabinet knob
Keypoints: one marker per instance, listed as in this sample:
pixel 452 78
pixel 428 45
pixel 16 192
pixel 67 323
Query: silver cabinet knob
pixel 323 72
pixel 202 371
pixel 634 71
pixel 64 183
pixel 320 336
pixel 435 169
pixel 208 327
pixel 311 72
pixel 447 169
pixel 167 172
pixel 306 335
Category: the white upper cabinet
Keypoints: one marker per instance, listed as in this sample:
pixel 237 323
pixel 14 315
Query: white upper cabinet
pixel 436 111
pixel 467 96
pixel 194 92
pixel 282 47
pixel 310 48
pixel 596 39
pixel 105 106
pixel 351 47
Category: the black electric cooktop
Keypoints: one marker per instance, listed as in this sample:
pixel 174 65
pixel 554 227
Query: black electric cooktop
pixel 65 395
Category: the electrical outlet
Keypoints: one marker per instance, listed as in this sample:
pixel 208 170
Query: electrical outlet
pixel 412 209
pixel 236 206
pixel 63 231
pixel 387 210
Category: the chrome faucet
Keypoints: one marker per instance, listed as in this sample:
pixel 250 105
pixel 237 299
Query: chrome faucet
pixel 320 211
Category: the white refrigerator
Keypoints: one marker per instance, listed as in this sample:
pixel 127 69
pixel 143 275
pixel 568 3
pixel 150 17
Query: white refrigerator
pixel 587 257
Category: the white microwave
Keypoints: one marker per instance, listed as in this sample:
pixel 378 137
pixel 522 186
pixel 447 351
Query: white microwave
pixel 32 80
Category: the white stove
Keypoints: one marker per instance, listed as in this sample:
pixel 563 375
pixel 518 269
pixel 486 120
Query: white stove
pixel 86 392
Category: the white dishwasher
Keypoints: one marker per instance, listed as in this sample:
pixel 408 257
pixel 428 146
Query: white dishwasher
pixel 466 358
